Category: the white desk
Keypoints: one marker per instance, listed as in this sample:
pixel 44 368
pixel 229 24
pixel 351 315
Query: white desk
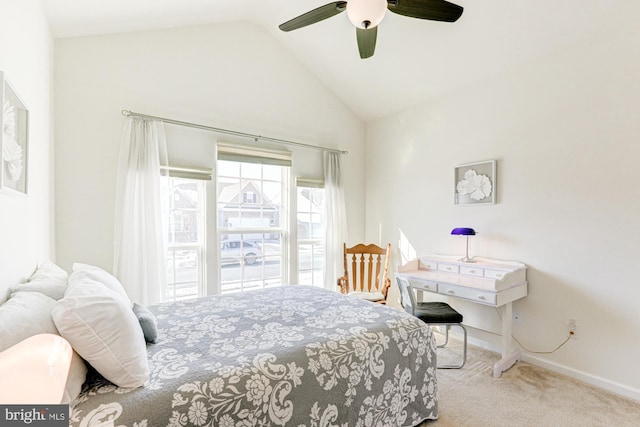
pixel 486 281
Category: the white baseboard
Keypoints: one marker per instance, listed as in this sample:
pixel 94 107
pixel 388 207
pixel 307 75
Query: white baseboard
pixel 612 386
pixel 594 380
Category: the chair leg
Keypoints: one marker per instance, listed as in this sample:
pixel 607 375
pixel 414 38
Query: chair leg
pixel 464 350
pixel 446 337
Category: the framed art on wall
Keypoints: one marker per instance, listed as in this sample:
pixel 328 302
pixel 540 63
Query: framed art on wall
pixel 14 140
pixel 475 183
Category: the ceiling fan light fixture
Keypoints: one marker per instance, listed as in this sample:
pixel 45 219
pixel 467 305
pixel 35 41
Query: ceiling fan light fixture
pixel 366 13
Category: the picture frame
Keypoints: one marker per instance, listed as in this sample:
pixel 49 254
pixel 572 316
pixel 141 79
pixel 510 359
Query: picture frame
pixel 475 183
pixel 14 140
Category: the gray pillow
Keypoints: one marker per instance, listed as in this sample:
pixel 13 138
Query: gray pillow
pixel 147 322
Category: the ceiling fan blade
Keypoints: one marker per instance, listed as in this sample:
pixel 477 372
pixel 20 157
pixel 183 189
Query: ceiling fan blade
pixel 367 41
pixel 435 10
pixel 315 15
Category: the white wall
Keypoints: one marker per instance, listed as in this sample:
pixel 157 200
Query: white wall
pixel 26 222
pixel 565 131
pixel 233 76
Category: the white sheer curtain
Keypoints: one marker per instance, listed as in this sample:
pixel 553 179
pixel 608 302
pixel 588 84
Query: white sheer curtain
pixel 139 250
pixel 336 218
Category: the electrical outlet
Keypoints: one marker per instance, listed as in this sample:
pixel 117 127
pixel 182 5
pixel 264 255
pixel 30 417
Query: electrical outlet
pixel 516 317
pixel 573 328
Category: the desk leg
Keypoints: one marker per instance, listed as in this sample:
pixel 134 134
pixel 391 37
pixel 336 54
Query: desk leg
pixel 509 356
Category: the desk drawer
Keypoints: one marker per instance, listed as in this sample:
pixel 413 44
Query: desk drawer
pixel 471 271
pixel 424 285
pixel 427 264
pixel 448 268
pixel 495 274
pixel 477 295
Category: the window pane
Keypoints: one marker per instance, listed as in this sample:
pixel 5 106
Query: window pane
pixel 272 193
pixel 311 236
pixel 183 274
pixel 251 199
pixel 183 212
pixel 249 204
pixel 251 170
pixel 272 173
pixel 227 168
pixel 317 226
pixel 304 199
pixel 250 261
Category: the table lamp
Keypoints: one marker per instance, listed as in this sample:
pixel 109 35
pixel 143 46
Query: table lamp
pixel 463 231
pixel 35 370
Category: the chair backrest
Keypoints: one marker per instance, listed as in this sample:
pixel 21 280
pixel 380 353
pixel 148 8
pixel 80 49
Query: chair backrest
pixel 366 266
pixel 407 297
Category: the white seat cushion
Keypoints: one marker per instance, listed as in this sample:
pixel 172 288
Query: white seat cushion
pixel 369 296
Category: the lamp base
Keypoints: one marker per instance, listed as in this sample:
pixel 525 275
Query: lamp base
pixel 466 257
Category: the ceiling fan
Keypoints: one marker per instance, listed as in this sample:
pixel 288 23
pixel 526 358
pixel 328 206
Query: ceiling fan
pixel 367 14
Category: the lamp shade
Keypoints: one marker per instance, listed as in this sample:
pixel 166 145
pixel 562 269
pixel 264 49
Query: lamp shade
pixel 462 231
pixel 366 13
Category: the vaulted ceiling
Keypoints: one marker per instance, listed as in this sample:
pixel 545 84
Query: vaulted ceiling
pixel 415 60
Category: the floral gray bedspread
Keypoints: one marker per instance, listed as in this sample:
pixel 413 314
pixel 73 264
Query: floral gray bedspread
pixel 289 356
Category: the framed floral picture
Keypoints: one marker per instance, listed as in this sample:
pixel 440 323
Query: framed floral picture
pixel 475 183
pixel 14 140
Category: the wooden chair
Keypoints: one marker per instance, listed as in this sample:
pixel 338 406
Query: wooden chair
pixel 362 281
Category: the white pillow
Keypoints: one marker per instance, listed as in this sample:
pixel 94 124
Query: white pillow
pixel 29 313
pixel 102 276
pixel 103 330
pixel 77 377
pixel 23 315
pixel 48 279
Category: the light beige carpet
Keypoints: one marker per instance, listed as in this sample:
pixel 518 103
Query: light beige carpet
pixel 525 395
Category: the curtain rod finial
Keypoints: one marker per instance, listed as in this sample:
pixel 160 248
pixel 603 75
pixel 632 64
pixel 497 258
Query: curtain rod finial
pixel 126 112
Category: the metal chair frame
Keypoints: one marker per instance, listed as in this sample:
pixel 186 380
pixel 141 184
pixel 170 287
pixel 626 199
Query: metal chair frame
pixel 408 301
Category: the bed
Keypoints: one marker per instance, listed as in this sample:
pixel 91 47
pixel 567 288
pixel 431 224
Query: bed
pixel 287 356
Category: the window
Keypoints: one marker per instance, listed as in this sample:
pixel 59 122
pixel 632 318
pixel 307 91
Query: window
pixel 252 225
pixel 234 234
pixel 249 197
pixel 311 232
pixel 184 215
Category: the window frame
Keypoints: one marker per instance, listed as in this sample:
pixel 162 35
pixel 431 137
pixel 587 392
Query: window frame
pixel 199 247
pixel 300 183
pixel 289 248
pixel 252 156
